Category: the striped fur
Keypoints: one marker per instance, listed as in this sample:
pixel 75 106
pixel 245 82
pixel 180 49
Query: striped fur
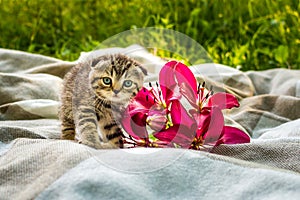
pixel 93 95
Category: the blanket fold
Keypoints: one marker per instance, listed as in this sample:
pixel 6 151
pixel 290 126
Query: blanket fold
pixel 36 164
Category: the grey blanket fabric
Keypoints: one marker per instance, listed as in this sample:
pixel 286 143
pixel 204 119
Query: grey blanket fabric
pixel 35 164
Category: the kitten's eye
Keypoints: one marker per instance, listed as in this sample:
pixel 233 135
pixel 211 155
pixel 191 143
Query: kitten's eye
pixel 127 83
pixel 107 81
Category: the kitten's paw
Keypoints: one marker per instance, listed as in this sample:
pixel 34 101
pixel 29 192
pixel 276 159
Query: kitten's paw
pixel 67 135
pixel 98 145
pixel 108 146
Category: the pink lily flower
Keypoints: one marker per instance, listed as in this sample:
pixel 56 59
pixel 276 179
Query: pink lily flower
pixel 144 110
pixel 206 110
pixel 160 110
pixel 155 108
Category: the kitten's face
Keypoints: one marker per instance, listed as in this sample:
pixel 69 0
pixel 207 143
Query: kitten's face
pixel 116 79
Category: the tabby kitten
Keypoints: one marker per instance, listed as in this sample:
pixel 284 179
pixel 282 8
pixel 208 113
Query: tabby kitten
pixel 93 96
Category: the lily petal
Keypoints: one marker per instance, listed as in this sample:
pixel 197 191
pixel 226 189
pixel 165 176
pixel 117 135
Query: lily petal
pixel 157 118
pixel 142 102
pixel 215 127
pixel 134 126
pixel 143 98
pixel 167 81
pixel 178 134
pixel 189 93
pixel 180 116
pixel 232 135
pixel 166 135
pixel 175 79
pixel 223 100
pixel 185 75
pixel 203 121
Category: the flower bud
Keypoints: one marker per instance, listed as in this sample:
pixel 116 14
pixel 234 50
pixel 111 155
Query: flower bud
pixel 157 122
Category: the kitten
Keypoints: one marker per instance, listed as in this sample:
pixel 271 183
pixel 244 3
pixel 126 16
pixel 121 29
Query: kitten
pixel 93 95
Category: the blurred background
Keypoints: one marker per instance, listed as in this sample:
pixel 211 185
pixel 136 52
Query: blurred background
pixel 247 34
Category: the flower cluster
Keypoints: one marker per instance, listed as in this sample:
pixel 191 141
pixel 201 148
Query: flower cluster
pixel 179 112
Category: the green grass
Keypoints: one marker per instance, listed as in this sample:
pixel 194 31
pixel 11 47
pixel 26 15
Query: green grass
pixel 253 34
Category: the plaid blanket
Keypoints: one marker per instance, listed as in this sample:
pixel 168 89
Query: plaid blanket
pixel 34 163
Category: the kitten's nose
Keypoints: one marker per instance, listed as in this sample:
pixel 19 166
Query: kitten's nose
pixel 116 91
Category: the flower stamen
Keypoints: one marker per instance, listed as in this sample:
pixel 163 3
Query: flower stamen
pixel 197 143
pixel 198 88
pixel 157 94
pixel 207 95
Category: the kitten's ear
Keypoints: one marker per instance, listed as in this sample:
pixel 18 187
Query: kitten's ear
pixel 99 62
pixel 94 62
pixel 143 70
